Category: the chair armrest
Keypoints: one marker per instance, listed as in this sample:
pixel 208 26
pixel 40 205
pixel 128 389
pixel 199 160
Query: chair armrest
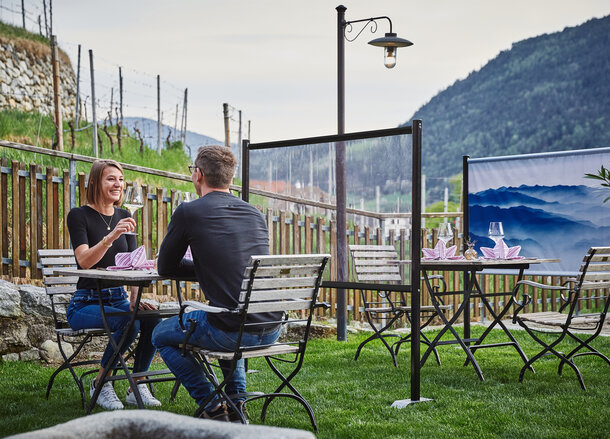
pixel 527 299
pixel 324 305
pixel 204 307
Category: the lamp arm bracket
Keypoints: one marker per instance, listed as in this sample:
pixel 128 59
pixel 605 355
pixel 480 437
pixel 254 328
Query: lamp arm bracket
pixel 347 26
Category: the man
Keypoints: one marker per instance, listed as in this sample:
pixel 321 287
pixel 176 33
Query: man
pixel 223 232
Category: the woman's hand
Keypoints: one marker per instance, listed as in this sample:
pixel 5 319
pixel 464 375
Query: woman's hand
pixel 144 305
pixel 124 225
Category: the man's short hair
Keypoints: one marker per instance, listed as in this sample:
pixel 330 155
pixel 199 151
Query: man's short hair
pixel 217 163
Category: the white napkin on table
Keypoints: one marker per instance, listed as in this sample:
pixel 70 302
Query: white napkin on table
pixel 135 260
pixel 440 252
pixel 501 251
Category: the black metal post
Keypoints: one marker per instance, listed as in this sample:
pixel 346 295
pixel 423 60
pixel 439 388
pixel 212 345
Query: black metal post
pixel 245 170
pixel 415 260
pixel 340 180
pixel 465 209
pixel 469 277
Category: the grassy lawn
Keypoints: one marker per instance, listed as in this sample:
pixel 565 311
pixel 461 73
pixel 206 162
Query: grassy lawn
pixel 352 399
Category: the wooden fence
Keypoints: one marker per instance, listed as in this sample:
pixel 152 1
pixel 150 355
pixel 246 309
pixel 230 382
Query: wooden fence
pixel 35 202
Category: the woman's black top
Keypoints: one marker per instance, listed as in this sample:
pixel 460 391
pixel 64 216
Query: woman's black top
pixel 87 226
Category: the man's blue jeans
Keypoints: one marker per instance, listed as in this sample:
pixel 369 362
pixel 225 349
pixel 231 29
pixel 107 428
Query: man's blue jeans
pixel 84 313
pixel 168 335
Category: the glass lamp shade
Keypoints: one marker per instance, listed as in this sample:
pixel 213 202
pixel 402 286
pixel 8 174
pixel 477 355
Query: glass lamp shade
pixel 389 57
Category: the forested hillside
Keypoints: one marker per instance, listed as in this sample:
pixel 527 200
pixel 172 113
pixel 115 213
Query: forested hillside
pixel 548 93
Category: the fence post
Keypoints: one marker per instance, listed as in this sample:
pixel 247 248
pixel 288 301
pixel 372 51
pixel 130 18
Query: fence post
pixel 72 183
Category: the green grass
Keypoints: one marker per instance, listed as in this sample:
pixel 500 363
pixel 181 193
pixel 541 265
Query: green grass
pixel 352 399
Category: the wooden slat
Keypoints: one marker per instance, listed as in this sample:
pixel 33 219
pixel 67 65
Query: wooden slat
pixel 598 258
pixel 601 276
pixel 379 277
pixel 375 254
pixel 294 270
pixel 60 280
pixel 66 207
pixel 280 282
pixel 296 293
pixel 279 349
pixel 284 305
pixel 366 247
pixel 16 209
pixel 375 262
pixel 23 244
pixel 53 252
pixel 597 267
pixel 595 285
pixel 33 221
pixel 290 259
pixel 3 215
pixel 55 261
pixel 378 269
pixel 65 289
pixel 49 206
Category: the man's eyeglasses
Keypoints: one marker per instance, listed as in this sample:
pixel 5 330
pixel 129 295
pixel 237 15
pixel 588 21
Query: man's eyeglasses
pixel 192 168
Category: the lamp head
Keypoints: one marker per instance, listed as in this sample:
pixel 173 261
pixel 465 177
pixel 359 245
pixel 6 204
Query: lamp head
pixel 390 42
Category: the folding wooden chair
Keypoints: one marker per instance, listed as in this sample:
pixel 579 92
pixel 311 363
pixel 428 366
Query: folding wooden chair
pixel 379 264
pixel 60 290
pixel 594 275
pixel 272 283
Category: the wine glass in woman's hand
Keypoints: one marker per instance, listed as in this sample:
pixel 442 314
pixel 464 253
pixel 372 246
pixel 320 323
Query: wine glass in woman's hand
pixel 134 200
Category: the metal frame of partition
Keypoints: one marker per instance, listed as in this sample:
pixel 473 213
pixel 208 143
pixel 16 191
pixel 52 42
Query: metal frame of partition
pixel 341 284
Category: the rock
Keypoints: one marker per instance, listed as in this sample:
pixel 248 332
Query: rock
pixel 144 424
pixel 34 300
pixel 30 355
pixel 38 333
pixel 49 351
pixel 10 357
pixel 10 300
pixel 14 335
pixel 315 331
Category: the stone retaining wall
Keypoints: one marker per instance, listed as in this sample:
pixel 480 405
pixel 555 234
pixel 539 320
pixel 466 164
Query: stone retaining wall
pixel 26 78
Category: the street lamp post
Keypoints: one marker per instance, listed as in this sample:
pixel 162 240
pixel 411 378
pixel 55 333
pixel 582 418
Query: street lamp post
pixel 390 42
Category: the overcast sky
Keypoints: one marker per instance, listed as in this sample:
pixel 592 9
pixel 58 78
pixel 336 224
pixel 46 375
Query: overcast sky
pixel 276 59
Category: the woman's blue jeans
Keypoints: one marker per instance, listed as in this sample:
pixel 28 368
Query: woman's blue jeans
pixel 84 313
pixel 168 335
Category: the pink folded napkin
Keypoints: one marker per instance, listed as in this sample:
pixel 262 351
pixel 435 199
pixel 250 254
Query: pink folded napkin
pixel 441 252
pixel 501 251
pixel 188 255
pixel 135 260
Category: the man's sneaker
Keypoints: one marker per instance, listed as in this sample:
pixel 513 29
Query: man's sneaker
pixel 147 398
pixel 107 398
pixel 219 413
pixel 234 416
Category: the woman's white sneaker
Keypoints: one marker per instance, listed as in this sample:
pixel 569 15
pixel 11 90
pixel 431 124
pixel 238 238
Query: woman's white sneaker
pixel 107 398
pixel 147 398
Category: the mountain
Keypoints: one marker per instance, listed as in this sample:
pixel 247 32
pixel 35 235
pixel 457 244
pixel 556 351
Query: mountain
pixel 546 221
pixel 148 128
pixel 547 93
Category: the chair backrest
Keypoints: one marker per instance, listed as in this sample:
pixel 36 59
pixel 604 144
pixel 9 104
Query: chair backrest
pixel 595 275
pixel 282 283
pixel 375 263
pixel 595 269
pixel 59 288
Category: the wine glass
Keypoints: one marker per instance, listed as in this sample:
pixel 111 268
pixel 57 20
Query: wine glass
pixel 189 196
pixel 496 231
pixel 445 232
pixel 134 200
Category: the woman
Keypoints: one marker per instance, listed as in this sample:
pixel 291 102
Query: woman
pixel 97 234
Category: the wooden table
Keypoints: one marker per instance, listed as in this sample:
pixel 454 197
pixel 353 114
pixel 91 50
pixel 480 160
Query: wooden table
pixel 472 289
pixel 141 279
